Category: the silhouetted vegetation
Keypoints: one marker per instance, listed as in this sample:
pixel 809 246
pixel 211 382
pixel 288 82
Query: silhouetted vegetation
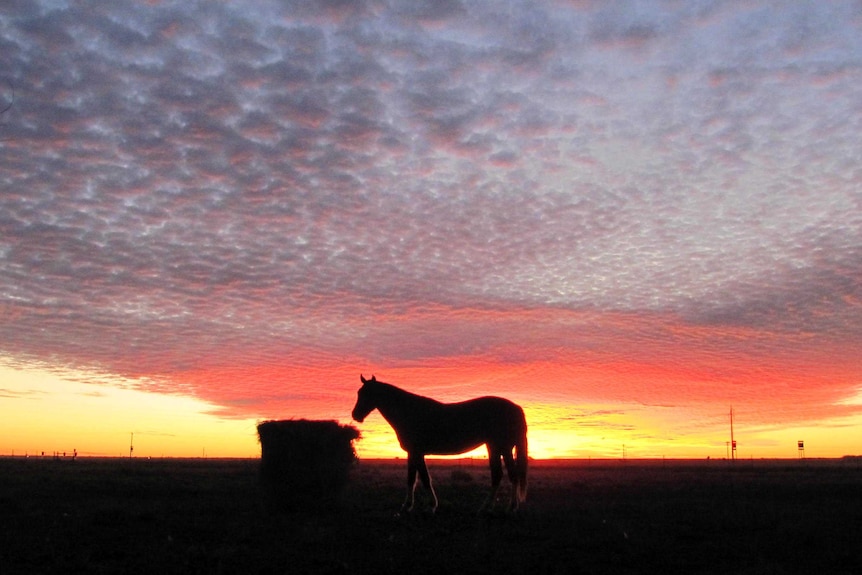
pixel 304 462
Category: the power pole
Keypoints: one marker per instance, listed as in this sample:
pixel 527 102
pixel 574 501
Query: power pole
pixel 732 440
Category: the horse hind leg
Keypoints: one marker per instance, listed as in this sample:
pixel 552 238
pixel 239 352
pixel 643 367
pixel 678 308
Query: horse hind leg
pixel 512 471
pixel 496 477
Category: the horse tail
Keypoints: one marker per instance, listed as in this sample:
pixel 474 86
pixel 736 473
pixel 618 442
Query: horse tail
pixel 521 462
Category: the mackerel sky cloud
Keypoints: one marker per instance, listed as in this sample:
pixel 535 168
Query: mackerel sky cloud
pixel 648 202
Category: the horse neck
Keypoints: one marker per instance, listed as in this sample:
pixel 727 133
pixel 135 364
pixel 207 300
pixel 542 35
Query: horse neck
pixel 399 407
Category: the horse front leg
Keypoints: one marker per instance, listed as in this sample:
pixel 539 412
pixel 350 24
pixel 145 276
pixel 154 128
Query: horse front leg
pixel 407 506
pixel 426 481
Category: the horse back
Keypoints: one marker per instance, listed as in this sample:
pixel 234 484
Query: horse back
pixel 452 428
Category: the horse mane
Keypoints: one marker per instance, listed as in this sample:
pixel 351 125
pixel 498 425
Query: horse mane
pixel 412 397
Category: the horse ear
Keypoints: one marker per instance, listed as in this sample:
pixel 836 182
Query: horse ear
pixel 362 378
pixel 373 378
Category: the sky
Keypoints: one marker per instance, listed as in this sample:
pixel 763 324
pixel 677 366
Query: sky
pixel 628 217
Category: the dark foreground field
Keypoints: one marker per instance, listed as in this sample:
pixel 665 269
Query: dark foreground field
pixel 207 516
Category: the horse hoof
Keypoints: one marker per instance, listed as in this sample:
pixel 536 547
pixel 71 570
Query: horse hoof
pixel 404 511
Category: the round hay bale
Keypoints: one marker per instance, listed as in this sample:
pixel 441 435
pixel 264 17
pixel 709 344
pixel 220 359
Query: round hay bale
pixel 305 463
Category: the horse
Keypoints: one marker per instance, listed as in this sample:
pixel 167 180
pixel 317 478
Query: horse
pixel 425 426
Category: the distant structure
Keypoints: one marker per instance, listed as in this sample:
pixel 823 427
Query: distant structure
pixel 732 440
pixel 800 449
pixel 131 445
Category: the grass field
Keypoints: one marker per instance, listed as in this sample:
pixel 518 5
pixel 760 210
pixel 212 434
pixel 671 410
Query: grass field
pixel 208 516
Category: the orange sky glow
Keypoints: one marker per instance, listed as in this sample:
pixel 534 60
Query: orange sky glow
pixel 50 412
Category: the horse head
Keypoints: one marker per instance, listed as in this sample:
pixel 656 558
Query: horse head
pixel 366 401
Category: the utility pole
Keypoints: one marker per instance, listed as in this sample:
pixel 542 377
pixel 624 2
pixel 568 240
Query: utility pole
pixel 131 445
pixel 732 440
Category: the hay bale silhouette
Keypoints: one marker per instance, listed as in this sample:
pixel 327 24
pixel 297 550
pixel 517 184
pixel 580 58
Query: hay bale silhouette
pixel 304 463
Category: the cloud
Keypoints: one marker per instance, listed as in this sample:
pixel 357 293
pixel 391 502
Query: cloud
pixel 192 187
pixel 20 394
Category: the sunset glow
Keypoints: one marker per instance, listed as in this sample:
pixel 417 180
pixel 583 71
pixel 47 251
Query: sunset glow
pixel 626 217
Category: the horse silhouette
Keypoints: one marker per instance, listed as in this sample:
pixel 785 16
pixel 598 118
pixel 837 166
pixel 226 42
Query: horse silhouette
pixel 425 426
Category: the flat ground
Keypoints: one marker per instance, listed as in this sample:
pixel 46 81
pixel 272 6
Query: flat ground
pixel 210 516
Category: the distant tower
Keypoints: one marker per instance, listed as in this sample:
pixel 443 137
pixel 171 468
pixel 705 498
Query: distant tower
pixel 732 440
pixel 800 448
pixel 131 445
